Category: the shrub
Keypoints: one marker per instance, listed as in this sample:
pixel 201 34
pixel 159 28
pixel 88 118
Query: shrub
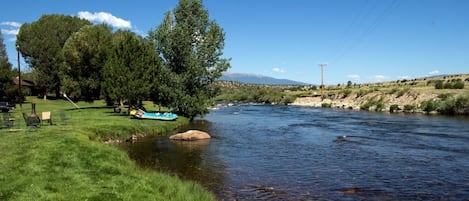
pixel 444 96
pixel 453 106
pixel 439 84
pixel 365 106
pixel 409 108
pixel 379 106
pixel 347 92
pixel 393 108
pixel 430 105
pixel 459 84
pixel 447 85
pixel 326 105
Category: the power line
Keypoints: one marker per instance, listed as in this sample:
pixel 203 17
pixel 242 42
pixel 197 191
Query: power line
pixel 347 47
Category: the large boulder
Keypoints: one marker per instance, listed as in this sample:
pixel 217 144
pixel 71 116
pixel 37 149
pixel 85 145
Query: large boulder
pixel 190 135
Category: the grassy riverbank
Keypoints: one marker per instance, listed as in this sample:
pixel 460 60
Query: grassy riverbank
pixel 68 161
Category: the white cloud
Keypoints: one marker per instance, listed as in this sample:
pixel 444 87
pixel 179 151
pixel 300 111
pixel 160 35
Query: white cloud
pixel 404 77
pixel 434 72
pixel 104 17
pixel 13 24
pixel 278 70
pixel 10 28
pixel 379 78
pixel 354 76
pixel 10 31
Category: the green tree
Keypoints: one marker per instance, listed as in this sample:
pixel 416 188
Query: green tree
pixel 131 66
pixel 41 43
pixel 191 47
pixel 85 53
pixel 6 73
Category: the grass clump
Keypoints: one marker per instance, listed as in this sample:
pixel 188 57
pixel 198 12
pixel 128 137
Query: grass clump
pixel 402 91
pixel 347 93
pixel 409 108
pixel 60 162
pixel 372 102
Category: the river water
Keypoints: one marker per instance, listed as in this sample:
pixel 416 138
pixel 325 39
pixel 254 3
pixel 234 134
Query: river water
pixel 300 153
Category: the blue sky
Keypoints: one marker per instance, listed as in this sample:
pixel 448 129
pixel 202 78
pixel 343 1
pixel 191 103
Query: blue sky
pixel 359 40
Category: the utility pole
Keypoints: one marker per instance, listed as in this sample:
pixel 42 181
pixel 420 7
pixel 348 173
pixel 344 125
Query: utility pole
pixel 322 79
pixel 20 98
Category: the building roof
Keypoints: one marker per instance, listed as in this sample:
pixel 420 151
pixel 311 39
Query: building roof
pixel 23 82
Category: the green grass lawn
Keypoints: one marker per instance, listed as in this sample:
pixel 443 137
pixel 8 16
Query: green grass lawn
pixel 68 161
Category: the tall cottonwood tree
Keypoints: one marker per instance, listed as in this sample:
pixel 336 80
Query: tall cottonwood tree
pixel 6 73
pixel 85 53
pixel 41 43
pixel 130 68
pixel 191 47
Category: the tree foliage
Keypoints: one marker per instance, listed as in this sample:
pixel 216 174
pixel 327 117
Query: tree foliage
pixel 131 66
pixel 6 73
pixel 85 53
pixel 191 47
pixel 41 43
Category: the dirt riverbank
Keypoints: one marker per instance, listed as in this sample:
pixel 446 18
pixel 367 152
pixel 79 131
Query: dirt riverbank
pixel 356 101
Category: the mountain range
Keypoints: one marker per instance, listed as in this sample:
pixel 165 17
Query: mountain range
pixel 258 79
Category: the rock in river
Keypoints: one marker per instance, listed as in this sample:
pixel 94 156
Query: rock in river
pixel 190 135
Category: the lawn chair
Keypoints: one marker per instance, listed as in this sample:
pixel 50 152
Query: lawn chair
pixel 63 116
pixel 32 122
pixel 46 117
pixel 8 120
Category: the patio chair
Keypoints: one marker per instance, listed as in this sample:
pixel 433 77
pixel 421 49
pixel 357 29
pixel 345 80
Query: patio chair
pixel 63 116
pixel 8 120
pixel 32 121
pixel 46 117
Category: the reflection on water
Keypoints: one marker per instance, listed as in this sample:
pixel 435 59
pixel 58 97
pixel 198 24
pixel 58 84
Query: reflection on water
pixel 297 153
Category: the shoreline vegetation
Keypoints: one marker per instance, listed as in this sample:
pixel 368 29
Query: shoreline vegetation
pixel 70 161
pixel 448 94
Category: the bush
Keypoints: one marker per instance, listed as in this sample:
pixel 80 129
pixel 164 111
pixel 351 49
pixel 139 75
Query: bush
pixel 430 105
pixel 455 106
pixel 379 106
pixel 453 84
pixel 347 92
pixel 394 108
pixel 444 96
pixel 439 84
pixel 366 106
pixel 326 105
pixel 409 108
pixel 447 85
pixel 459 84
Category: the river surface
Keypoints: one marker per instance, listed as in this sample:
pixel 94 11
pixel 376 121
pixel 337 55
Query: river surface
pixel 300 153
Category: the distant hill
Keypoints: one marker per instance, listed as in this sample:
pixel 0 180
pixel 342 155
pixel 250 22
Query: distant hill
pixel 258 79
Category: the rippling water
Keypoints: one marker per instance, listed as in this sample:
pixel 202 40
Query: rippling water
pixel 301 153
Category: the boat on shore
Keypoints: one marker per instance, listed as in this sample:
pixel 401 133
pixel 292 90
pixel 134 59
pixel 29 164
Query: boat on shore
pixel 165 116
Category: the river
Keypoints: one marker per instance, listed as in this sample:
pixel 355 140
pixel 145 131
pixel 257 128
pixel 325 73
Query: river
pixel 263 152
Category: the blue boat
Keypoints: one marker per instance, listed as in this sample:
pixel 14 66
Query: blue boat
pixel 166 116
